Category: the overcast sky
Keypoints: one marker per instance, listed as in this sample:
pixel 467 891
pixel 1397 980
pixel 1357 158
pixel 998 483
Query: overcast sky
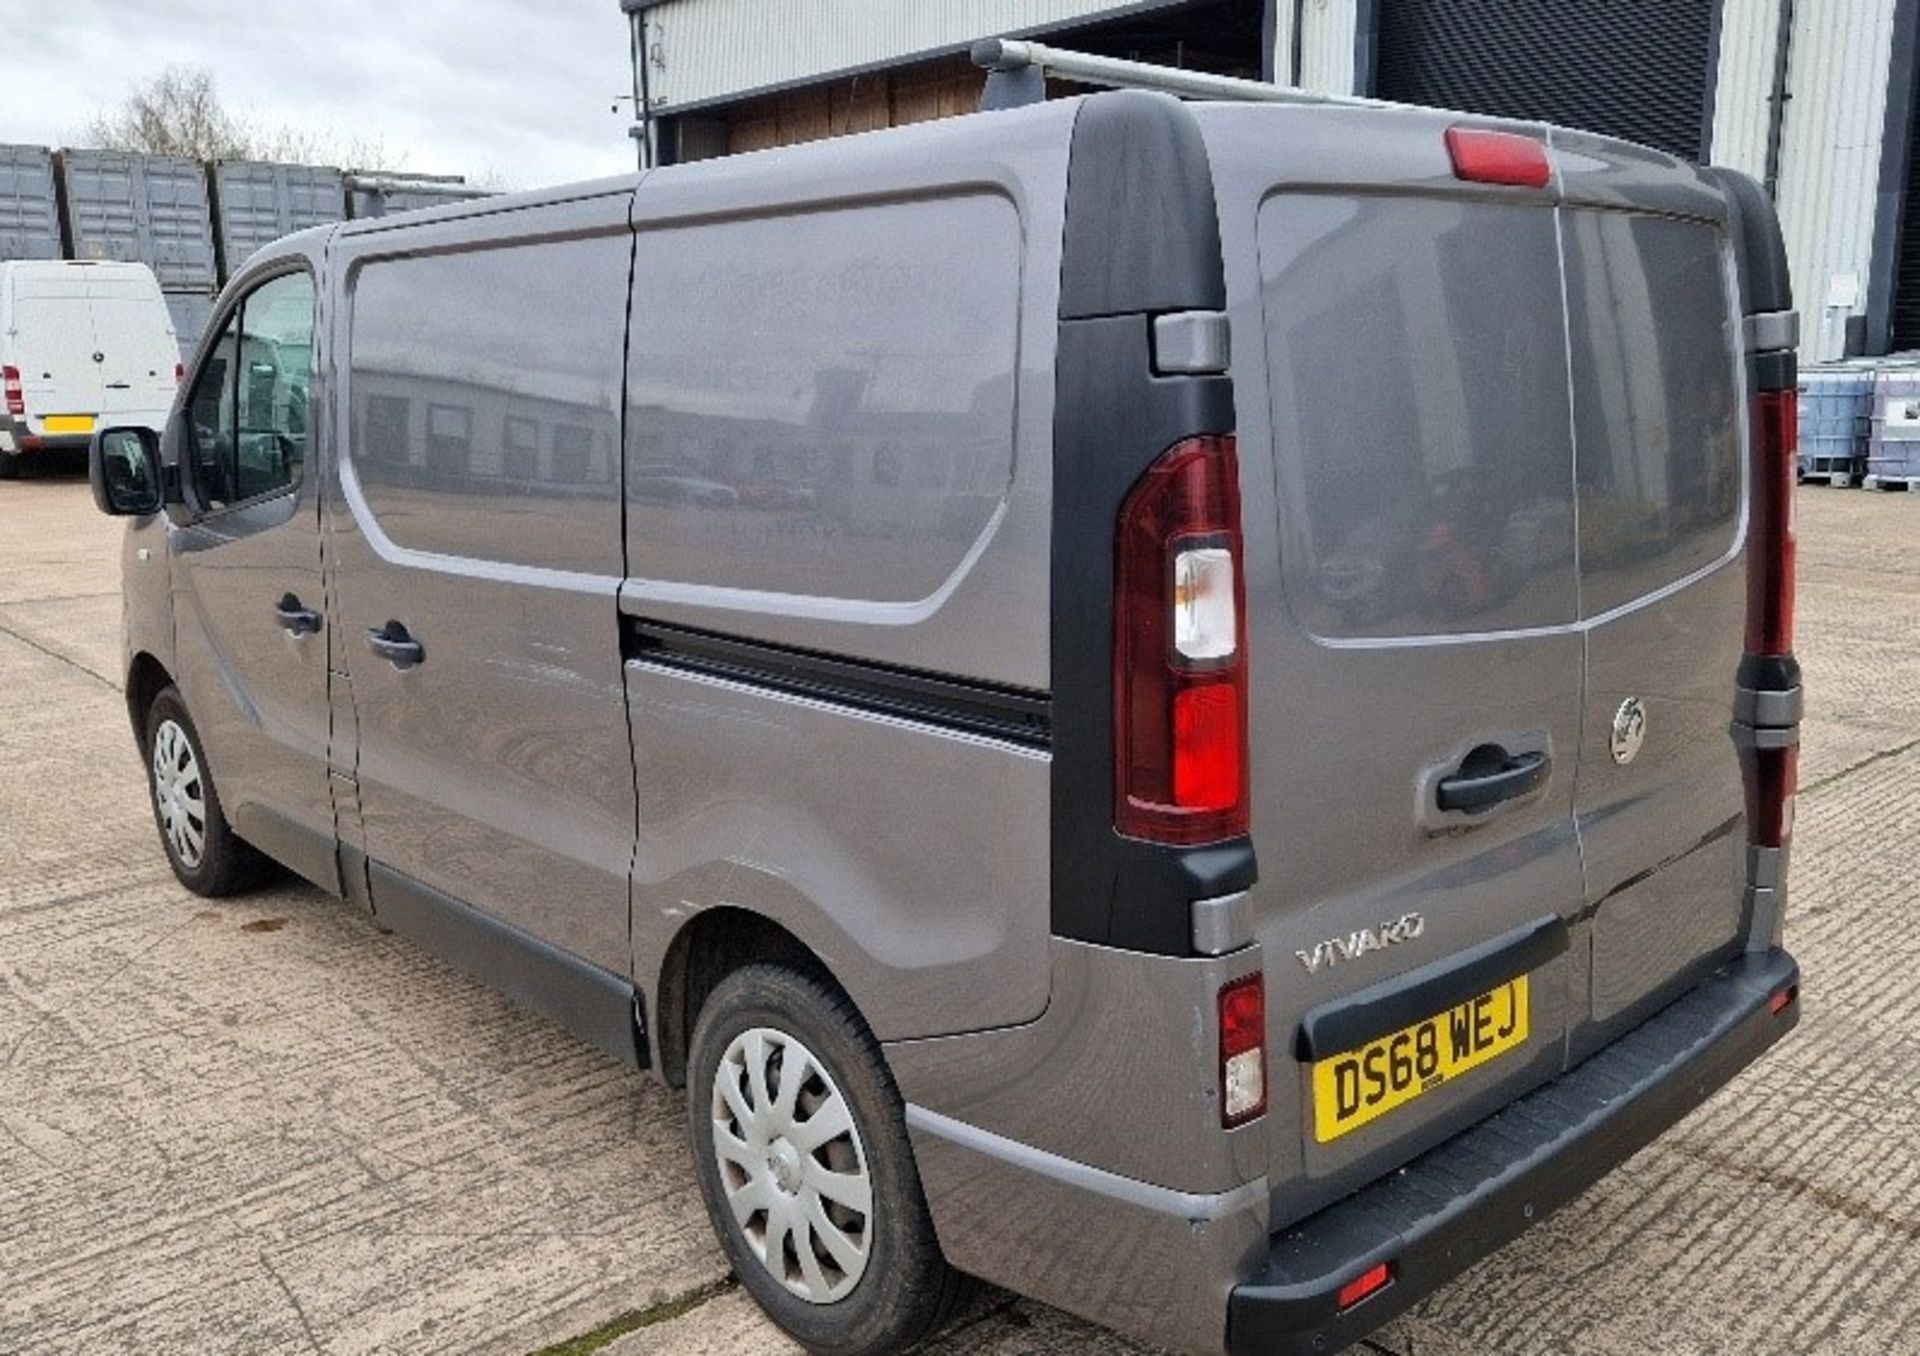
pixel 520 89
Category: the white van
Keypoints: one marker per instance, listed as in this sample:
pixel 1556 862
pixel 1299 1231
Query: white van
pixel 82 345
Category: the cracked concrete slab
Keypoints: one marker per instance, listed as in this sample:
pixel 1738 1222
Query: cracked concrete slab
pixel 262 1126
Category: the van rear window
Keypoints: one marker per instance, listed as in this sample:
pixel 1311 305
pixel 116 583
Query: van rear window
pixel 1655 398
pixel 1417 365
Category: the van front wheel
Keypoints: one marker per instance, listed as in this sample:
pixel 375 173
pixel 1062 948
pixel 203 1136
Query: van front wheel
pixel 801 1145
pixel 200 845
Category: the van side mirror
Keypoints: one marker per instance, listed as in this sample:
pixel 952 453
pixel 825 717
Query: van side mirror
pixel 124 466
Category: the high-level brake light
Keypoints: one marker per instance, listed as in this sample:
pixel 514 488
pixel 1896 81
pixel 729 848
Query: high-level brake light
pixel 1179 654
pixel 1481 155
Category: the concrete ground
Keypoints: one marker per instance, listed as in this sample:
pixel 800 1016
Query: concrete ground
pixel 261 1126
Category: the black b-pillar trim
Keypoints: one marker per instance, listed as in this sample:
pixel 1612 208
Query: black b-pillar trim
pixel 1142 238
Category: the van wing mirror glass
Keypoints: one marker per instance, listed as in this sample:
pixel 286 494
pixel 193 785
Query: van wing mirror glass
pixel 124 466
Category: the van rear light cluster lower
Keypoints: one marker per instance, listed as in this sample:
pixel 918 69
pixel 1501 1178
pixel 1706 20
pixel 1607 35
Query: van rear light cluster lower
pixel 1771 778
pixel 10 383
pixel 1243 1050
pixel 1770 540
pixel 1179 651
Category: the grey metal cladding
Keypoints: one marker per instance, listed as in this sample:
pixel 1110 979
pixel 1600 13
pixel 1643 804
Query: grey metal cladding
pixel 257 203
pixel 1406 520
pixel 29 220
pixel 147 209
pixel 482 426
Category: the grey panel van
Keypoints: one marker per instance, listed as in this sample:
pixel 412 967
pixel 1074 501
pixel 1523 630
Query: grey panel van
pixel 1188 708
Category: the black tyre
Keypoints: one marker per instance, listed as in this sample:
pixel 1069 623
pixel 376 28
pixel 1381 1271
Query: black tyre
pixel 801 1146
pixel 199 843
pixel 11 464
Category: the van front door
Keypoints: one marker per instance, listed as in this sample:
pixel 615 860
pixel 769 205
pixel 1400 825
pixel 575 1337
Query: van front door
pixel 250 635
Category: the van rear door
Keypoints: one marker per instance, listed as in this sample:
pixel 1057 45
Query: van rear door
pixel 54 339
pixel 138 353
pixel 1401 386
pixel 1660 431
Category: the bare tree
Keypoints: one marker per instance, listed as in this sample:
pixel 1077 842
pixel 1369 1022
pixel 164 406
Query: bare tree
pixel 178 112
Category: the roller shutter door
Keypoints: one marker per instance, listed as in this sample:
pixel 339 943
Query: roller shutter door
pixel 1638 69
pixel 1906 281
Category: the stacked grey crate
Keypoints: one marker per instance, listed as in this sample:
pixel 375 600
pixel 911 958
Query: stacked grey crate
pixel 149 209
pixel 29 216
pixel 1893 455
pixel 1836 406
pixel 256 203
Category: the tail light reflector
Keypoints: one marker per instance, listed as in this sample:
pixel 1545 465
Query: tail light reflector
pixel 15 397
pixel 1782 999
pixel 1771 779
pixel 1179 654
pixel 1481 155
pixel 1770 543
pixel 1243 1050
pixel 1369 1282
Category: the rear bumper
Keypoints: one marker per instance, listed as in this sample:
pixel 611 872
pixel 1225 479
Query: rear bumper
pixel 17 436
pixel 1473 1194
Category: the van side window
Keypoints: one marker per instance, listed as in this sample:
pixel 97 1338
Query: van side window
pixel 484 390
pixel 249 408
pixel 210 420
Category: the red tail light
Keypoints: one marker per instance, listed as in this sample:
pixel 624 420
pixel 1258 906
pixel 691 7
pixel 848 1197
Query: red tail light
pixel 1179 653
pixel 15 397
pixel 1243 1050
pixel 1770 545
pixel 1481 155
pixel 179 373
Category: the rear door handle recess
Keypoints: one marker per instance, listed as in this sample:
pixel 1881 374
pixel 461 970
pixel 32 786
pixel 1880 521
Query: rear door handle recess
pixel 1489 775
pixel 392 643
pixel 295 618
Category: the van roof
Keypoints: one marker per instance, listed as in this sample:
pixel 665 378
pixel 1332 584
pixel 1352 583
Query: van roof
pixel 23 269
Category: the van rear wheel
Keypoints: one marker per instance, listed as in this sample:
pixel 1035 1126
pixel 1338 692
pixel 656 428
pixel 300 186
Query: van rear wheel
pixel 800 1142
pixel 200 845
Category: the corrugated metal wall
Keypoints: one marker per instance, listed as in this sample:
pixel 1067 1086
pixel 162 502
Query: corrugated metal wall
pixel 1749 33
pixel 712 49
pixel 1326 45
pixel 1830 160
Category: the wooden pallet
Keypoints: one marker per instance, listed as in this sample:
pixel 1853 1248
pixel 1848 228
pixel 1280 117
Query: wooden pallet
pixel 1892 483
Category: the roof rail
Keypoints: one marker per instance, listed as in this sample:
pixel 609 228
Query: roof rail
pixel 400 181
pixel 1017 72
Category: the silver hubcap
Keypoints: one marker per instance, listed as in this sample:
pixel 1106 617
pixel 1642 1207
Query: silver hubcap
pixel 792 1165
pixel 180 793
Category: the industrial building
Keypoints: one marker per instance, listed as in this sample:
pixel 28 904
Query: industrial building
pixel 1816 98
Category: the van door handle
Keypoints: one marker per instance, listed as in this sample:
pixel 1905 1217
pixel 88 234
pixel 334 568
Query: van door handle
pixel 294 618
pixel 392 643
pixel 1488 776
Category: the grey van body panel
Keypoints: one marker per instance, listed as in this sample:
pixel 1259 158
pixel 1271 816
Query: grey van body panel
pixel 911 858
pixel 258 695
pixel 986 618
pixel 1157 1264
pixel 467 517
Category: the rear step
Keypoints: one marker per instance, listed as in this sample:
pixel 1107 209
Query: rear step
pixel 1322 1287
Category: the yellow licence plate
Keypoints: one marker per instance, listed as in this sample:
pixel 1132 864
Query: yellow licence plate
pixel 68 423
pixel 1363 1085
